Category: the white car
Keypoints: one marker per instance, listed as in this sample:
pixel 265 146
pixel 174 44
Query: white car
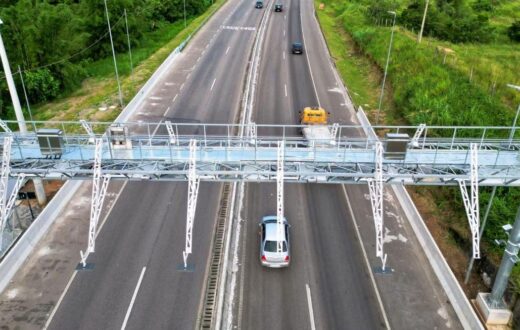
pixel 269 255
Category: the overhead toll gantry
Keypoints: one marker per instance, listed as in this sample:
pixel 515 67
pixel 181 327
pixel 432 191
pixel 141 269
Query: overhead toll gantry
pixel 463 156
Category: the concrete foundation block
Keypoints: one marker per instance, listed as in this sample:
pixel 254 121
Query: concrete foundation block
pixel 492 316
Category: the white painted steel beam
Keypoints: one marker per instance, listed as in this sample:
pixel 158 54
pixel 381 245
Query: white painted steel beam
pixel 193 191
pixel 279 197
pixel 4 126
pixel 471 201
pixel 171 132
pixel 375 186
pixel 415 139
pixel 88 128
pixel 99 189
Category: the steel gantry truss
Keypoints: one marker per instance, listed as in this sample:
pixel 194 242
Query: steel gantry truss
pixel 279 198
pixel 449 156
pixel 375 186
pixel 99 189
pixel 193 192
pixel 471 202
pixel 7 202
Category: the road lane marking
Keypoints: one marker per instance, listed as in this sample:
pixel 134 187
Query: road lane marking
pixel 284 33
pixel 213 84
pixel 285 86
pixel 182 86
pixel 49 320
pixel 127 316
pixel 164 115
pixel 227 50
pixel 284 16
pixel 309 302
pixel 284 54
pixel 373 280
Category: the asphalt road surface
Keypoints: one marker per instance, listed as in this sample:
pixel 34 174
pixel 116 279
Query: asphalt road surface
pixel 328 277
pixel 139 248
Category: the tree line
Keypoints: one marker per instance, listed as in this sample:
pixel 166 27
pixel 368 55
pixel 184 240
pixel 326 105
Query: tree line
pixel 52 40
pixel 452 20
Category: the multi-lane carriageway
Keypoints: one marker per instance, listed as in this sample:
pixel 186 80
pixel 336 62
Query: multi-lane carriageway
pixel 136 282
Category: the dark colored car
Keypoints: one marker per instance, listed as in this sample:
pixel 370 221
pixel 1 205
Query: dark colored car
pixel 278 7
pixel 297 48
pixel 259 4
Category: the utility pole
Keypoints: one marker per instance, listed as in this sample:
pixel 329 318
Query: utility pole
pixel 129 48
pixel 12 87
pixel 114 56
pixel 38 184
pixel 496 298
pixel 419 38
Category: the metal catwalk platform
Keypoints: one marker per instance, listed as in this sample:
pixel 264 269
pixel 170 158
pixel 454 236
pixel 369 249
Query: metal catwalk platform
pixel 163 153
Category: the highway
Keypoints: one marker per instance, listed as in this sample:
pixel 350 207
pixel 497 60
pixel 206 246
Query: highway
pixel 135 281
pixel 327 269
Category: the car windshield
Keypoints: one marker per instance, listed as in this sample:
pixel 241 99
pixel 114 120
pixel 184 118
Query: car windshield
pixel 270 246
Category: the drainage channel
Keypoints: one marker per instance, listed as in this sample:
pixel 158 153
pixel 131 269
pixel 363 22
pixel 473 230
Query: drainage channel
pixel 209 307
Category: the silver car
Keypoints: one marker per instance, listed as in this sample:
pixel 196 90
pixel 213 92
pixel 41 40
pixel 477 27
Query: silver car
pixel 269 255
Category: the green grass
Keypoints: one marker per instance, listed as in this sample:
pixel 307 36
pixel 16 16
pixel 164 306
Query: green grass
pixel 423 89
pixel 361 76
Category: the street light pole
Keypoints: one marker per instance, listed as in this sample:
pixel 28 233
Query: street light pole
pixel 513 127
pixel 114 55
pixel 129 48
pixel 419 38
pixel 12 87
pixel 386 67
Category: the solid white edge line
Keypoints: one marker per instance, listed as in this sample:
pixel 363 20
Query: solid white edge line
pixel 373 280
pixel 213 84
pixel 129 311
pixel 51 316
pixel 311 311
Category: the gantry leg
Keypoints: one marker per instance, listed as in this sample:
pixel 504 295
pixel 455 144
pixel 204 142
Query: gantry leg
pixel 99 189
pixel 193 191
pixel 375 186
pixel 471 201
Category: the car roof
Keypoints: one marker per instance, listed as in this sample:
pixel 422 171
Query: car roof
pixel 270 227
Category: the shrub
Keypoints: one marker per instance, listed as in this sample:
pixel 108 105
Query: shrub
pixel 41 85
pixel 514 31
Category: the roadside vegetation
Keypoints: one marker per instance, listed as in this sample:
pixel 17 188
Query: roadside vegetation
pixel 63 49
pixel 457 75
